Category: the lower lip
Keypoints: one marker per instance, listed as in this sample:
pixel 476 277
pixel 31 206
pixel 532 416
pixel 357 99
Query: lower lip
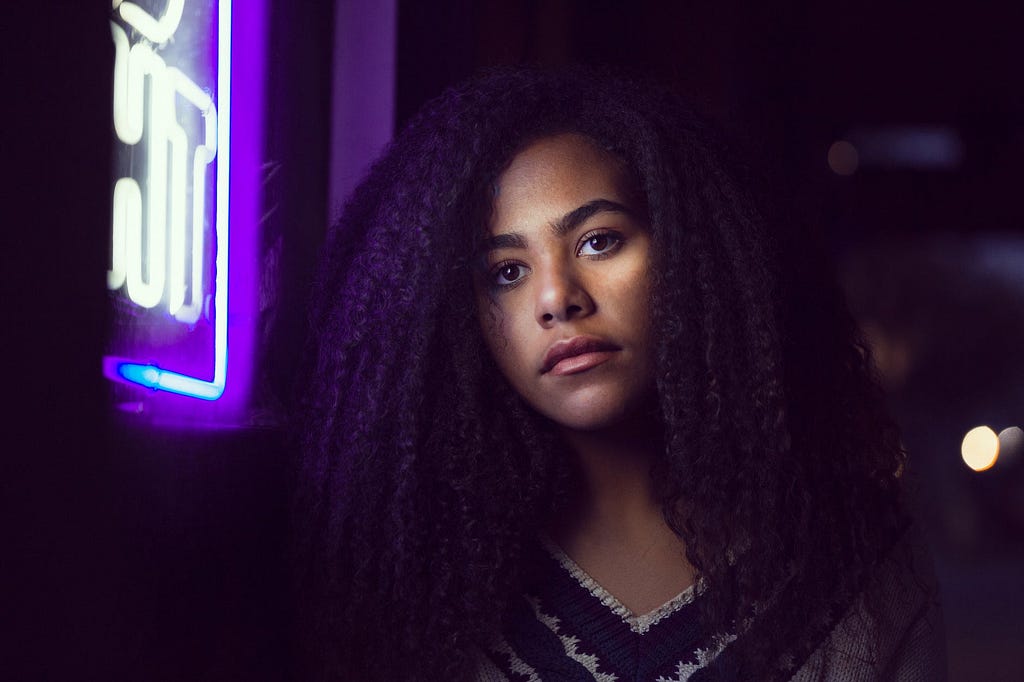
pixel 580 363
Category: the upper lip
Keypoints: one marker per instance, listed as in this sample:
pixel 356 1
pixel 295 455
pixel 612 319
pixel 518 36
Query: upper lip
pixel 577 345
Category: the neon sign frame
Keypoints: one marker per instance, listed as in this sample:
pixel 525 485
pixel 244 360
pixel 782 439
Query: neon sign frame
pixel 236 145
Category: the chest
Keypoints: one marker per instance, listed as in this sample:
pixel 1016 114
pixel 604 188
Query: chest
pixel 567 626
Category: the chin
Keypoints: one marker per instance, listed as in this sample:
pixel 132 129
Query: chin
pixel 589 415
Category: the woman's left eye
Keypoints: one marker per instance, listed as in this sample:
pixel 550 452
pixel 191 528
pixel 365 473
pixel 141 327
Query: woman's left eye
pixel 599 244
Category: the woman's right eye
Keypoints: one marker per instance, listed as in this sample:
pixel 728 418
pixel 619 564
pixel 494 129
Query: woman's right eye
pixel 507 274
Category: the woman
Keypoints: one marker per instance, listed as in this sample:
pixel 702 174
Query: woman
pixel 573 417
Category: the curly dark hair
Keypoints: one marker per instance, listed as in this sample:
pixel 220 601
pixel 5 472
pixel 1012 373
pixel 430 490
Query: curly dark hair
pixel 424 477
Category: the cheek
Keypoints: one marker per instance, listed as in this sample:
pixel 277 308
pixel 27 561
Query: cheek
pixel 629 295
pixel 499 330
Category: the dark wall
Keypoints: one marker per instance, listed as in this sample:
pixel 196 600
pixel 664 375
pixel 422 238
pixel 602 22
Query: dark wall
pixel 199 560
pixel 784 79
pixel 53 461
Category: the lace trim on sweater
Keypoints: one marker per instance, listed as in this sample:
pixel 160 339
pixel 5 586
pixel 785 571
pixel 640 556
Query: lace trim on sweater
pixel 638 624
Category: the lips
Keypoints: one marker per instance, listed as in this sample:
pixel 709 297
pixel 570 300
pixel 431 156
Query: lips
pixel 576 355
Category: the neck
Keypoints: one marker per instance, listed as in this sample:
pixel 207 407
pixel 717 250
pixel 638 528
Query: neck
pixel 615 492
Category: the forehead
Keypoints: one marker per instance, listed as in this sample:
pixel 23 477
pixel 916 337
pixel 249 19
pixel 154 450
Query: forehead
pixel 558 173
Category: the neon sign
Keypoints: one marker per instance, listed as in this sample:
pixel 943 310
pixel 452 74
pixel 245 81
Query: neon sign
pixel 173 185
pixel 166 141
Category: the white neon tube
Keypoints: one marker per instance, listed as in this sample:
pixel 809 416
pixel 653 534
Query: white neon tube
pixel 147 292
pixel 204 155
pixel 178 140
pixel 189 313
pixel 157 30
pixel 127 211
pixel 128 90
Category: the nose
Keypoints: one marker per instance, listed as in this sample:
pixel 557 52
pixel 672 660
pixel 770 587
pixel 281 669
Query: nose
pixel 561 296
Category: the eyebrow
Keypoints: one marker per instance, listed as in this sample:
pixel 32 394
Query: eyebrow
pixel 561 227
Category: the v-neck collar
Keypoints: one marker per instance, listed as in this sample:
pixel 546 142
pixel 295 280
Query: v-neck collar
pixel 638 624
pixel 568 627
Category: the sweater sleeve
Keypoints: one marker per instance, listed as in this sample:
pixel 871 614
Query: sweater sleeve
pixel 921 656
pixel 893 632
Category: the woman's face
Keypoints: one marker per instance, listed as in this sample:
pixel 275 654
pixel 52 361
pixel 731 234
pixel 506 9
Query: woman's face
pixel 564 294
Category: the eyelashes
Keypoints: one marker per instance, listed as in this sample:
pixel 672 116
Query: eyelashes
pixel 507 274
pixel 601 244
pixel 595 245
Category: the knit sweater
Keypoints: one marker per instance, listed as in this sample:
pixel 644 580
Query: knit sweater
pixel 567 627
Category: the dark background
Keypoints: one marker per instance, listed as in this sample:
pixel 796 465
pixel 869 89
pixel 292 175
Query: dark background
pixel 134 553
